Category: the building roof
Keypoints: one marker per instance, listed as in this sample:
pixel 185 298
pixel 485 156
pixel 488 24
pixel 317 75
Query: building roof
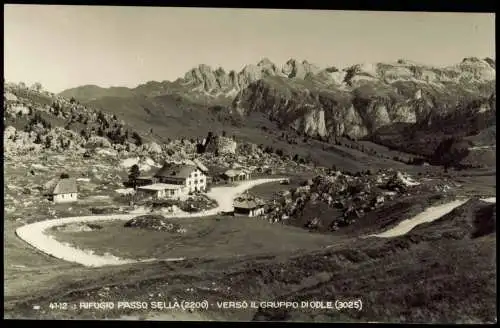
pixel 230 173
pixel 200 165
pixel 148 177
pixel 160 186
pixel 171 170
pixel 248 202
pixel 65 186
pixel 234 172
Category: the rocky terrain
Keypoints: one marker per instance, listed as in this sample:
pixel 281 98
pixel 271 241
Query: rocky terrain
pixel 372 101
pixel 153 222
pixel 38 123
pixel 334 201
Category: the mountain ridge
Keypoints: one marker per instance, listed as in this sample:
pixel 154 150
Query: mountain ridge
pixel 209 77
pixel 363 101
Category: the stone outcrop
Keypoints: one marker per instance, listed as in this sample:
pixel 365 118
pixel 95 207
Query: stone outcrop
pixel 353 196
pixel 152 147
pixel 96 141
pixel 226 146
pixel 220 145
pixel 9 96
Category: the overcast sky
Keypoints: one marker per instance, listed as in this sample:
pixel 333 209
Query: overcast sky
pixel 68 46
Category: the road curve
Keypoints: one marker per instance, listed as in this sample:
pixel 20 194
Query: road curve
pixel 35 233
pixel 430 214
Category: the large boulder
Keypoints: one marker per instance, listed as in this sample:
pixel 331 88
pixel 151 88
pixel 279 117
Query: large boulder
pixel 96 141
pixel 130 147
pixel 19 142
pixel 152 147
pixel 153 222
pixel 9 96
pixel 249 149
pixel 400 182
pixel 9 132
pixel 226 146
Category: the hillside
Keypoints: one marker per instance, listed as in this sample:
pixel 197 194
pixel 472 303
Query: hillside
pixel 427 265
pixel 402 105
pixel 38 121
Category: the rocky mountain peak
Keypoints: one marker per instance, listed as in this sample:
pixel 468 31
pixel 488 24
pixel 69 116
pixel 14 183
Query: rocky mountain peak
pixel 295 69
pixel 331 69
pixel 265 62
pixel 471 60
pixel 490 61
pixel 205 68
pixel 202 76
pixel 220 71
pixel 250 73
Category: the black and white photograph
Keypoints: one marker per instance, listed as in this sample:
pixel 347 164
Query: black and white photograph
pixel 232 164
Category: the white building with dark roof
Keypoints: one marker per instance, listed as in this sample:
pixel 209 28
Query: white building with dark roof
pixel 190 177
pixel 65 191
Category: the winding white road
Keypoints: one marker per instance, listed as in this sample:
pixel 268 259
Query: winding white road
pixel 35 233
pixel 430 214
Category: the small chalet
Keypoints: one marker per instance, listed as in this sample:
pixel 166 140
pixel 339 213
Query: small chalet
pixel 65 191
pixel 234 175
pixel 248 206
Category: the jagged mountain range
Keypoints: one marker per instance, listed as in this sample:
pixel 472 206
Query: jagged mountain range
pixel 360 101
pixel 217 82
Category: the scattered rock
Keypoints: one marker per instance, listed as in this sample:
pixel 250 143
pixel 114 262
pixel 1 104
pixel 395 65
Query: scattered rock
pixel 78 227
pixel 98 142
pixel 153 222
pixel 353 196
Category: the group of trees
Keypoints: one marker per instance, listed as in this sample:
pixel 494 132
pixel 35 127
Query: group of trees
pixel 64 144
pixel 297 158
pixel 56 108
pixel 450 152
pixel 106 127
pixel 37 118
pixel 134 173
pixel 137 138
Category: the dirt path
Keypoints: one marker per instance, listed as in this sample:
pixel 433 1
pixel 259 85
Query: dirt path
pixel 35 233
pixel 430 214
